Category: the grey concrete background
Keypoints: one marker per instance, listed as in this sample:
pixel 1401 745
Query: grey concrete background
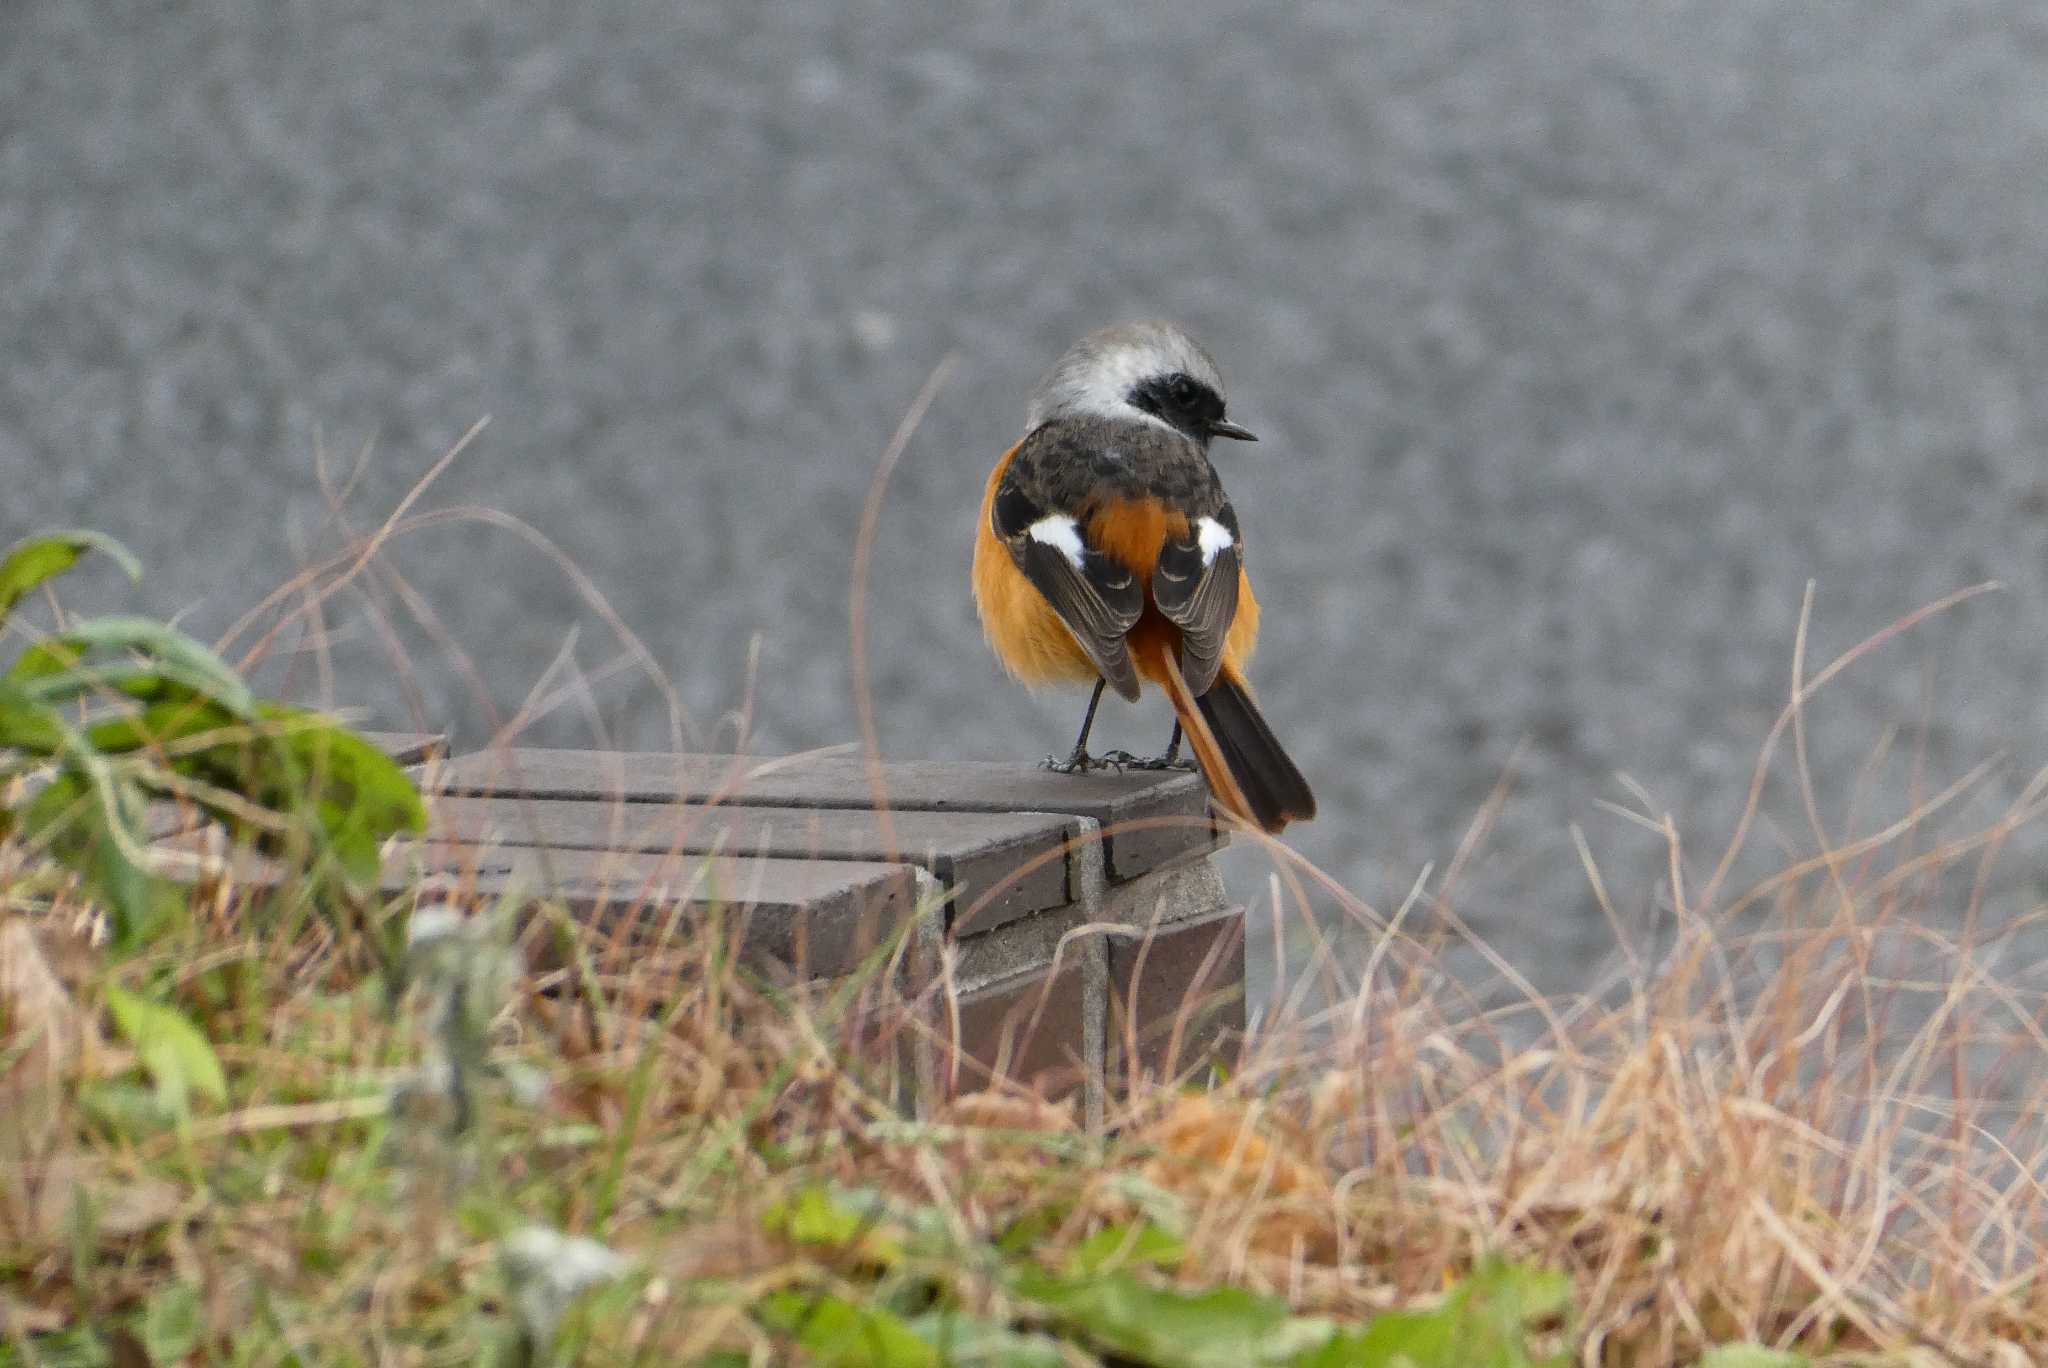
pixel 1581 334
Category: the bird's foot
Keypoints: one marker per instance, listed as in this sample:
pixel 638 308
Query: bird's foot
pixel 1080 762
pixel 1169 761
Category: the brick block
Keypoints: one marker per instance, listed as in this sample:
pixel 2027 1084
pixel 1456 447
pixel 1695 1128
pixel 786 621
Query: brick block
pixel 1027 1029
pixel 1176 995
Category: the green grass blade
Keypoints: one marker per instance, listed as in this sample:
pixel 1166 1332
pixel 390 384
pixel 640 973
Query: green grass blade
pixel 46 555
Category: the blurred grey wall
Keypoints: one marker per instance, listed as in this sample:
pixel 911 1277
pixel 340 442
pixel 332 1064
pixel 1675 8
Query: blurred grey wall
pixel 1581 334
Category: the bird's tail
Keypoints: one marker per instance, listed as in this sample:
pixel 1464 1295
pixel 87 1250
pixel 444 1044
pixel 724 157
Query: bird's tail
pixel 1248 771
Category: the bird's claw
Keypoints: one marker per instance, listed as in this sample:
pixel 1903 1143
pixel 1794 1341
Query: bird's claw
pixel 1156 762
pixel 1080 762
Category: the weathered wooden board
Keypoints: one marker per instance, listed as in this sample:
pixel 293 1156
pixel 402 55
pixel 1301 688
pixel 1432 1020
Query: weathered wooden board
pixel 973 852
pixel 824 915
pixel 1149 818
pixel 408 748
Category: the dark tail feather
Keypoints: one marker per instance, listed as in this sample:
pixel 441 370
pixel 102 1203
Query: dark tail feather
pixel 1273 787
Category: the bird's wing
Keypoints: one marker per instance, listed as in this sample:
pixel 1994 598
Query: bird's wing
pixel 1195 585
pixel 1098 599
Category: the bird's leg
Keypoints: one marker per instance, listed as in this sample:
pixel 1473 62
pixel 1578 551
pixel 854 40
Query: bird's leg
pixel 1168 761
pixel 1080 762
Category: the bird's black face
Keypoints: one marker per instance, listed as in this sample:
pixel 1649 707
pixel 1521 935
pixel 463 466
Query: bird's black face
pixel 1189 404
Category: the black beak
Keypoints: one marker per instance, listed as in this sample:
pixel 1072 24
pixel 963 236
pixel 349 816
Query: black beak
pixel 1224 428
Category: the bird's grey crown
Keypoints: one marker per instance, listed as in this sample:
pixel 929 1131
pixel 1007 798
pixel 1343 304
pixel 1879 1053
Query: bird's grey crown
pixel 1096 375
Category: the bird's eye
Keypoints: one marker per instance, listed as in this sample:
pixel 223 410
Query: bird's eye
pixel 1183 389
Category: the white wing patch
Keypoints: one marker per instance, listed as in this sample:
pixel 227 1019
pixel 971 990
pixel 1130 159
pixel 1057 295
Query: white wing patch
pixel 1061 533
pixel 1210 535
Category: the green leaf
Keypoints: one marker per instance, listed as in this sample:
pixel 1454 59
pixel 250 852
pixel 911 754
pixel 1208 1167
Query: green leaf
pixel 1483 1323
pixel 1410 1339
pixel 54 808
pixel 341 797
pixel 345 794
pixel 177 1056
pixel 26 722
pixel 163 724
pixel 91 823
pixel 1752 1356
pixel 969 1343
pixel 1119 1246
pixel 1227 1327
pixel 49 554
pixel 1533 1293
pixel 1031 1229
pixel 840 1334
pixel 124 1106
pixel 824 1215
pixel 175 661
pixel 172 1323
pixel 1398 1339
pixel 815 1216
pixel 81 1347
pixel 1503 1301
pixel 358 796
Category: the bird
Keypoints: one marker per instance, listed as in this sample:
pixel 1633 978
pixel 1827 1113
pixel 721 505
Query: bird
pixel 1108 551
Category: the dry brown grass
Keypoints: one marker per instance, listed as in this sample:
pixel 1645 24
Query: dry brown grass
pixel 1824 1132
pixel 1812 1119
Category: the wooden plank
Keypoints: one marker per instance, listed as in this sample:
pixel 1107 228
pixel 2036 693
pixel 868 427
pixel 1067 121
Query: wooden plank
pixel 408 748
pixel 1149 818
pixel 968 851
pixel 825 916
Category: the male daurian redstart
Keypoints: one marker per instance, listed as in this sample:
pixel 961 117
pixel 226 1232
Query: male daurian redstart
pixel 1108 551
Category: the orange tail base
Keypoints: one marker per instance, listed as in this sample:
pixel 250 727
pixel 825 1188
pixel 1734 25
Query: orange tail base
pixel 1249 773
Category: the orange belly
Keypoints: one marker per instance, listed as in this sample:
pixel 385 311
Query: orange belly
pixel 1029 638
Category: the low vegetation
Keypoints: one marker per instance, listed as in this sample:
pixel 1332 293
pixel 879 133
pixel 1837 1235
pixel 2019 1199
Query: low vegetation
pixel 251 1112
